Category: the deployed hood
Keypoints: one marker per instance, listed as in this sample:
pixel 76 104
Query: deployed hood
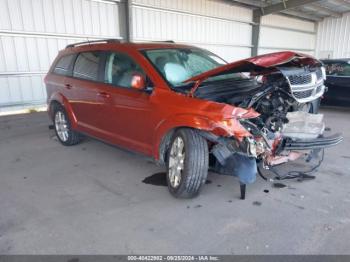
pixel 258 63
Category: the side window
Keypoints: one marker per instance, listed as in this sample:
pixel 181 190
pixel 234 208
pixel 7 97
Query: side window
pixel 338 69
pixel 345 70
pixel 62 66
pixel 329 68
pixel 119 70
pixel 86 66
pixel 160 58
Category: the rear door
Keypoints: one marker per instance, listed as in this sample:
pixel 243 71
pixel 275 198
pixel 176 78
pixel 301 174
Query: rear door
pixel 126 116
pixel 83 85
pixel 57 80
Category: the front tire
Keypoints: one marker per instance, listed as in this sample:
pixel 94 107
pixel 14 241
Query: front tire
pixel 64 132
pixel 187 163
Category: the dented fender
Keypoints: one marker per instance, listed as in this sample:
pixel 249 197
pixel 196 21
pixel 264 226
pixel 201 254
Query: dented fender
pixel 173 122
pixel 225 127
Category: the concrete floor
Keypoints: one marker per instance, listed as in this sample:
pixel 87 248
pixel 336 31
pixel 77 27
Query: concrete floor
pixel 90 199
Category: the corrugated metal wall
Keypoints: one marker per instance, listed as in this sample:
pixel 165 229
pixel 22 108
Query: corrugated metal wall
pixel 333 37
pixel 218 26
pixel 32 32
pixel 279 33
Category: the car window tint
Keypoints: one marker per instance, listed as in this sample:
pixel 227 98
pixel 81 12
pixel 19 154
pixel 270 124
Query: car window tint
pixel 120 68
pixel 338 69
pixel 62 66
pixel 345 70
pixel 86 66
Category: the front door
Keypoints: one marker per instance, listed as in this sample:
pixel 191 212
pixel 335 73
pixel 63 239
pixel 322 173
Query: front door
pixel 126 116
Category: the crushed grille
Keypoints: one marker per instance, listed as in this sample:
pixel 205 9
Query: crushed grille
pixel 303 94
pixel 300 79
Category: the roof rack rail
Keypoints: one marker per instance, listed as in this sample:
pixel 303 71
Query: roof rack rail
pixel 112 40
pixel 164 41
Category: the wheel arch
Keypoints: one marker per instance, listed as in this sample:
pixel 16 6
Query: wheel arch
pixel 59 99
pixel 166 129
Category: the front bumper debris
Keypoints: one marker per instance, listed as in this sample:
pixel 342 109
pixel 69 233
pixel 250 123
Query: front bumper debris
pixel 317 143
pixel 239 158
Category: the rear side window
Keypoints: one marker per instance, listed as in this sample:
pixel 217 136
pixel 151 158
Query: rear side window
pixel 62 66
pixel 86 66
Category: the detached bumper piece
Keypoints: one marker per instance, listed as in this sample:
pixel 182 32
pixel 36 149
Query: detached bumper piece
pixel 317 143
pixel 235 164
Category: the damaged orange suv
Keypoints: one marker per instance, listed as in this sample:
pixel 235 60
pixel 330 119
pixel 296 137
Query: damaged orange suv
pixel 188 108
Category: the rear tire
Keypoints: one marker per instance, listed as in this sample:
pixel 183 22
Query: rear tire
pixel 64 132
pixel 187 163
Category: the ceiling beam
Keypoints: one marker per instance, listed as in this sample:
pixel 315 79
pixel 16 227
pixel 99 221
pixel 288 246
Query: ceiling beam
pixel 255 3
pixel 302 15
pixel 260 4
pixel 284 5
pixel 341 2
pixel 322 9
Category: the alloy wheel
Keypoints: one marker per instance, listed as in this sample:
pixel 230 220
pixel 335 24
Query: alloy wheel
pixel 61 125
pixel 176 161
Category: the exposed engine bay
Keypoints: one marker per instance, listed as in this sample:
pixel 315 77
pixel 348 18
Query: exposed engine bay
pixel 287 97
pixel 273 96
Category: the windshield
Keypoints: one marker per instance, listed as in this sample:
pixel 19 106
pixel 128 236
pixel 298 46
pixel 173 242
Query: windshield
pixel 179 64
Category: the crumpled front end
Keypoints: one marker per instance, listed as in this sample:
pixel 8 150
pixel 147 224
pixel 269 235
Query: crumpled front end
pixel 284 89
pixel 300 136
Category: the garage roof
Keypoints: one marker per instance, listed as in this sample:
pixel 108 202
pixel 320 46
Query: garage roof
pixel 313 10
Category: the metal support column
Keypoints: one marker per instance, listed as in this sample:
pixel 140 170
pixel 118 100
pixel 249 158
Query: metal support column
pixel 256 32
pixel 128 19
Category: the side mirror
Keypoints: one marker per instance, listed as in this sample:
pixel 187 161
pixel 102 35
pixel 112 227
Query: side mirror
pixel 138 81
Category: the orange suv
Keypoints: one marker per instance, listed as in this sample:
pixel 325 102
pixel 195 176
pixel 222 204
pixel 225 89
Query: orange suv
pixel 188 108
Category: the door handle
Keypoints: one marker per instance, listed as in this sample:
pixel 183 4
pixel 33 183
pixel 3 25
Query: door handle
pixel 68 86
pixel 103 94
